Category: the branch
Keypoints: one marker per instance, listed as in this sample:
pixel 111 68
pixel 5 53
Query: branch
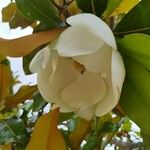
pixel 132 31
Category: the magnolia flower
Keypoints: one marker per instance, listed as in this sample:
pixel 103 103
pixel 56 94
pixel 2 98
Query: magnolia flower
pixel 81 71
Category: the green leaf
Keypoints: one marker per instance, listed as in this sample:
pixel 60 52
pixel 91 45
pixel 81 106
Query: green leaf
pixel 102 121
pixel 146 144
pixel 127 125
pixel 136 46
pixel 42 27
pixel 96 7
pixel 39 102
pixel 136 20
pixel 42 10
pixel 92 142
pixel 12 130
pixel 135 97
pixel 65 116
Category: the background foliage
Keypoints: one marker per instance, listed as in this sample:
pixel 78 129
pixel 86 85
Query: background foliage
pixel 24 111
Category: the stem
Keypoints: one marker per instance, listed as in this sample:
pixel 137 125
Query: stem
pixel 70 2
pixel 132 31
pixel 56 5
pixel 93 8
pixel 64 2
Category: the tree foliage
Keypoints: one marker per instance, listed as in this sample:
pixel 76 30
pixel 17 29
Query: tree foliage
pixel 23 122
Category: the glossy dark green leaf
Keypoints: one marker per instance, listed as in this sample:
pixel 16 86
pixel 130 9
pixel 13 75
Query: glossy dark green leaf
pixel 137 20
pixel 12 130
pixel 137 47
pixel 65 116
pixel 146 144
pixel 43 27
pixel 92 6
pixel 42 10
pixel 39 102
pixel 91 143
pixel 135 97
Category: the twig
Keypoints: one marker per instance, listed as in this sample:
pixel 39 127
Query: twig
pixel 132 31
pixel 70 2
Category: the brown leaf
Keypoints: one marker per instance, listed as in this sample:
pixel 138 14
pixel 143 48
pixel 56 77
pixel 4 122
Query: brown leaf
pixel 24 93
pixel 5 147
pixel 8 12
pixel 46 135
pixel 19 20
pixel 5 79
pixel 80 132
pixel 22 46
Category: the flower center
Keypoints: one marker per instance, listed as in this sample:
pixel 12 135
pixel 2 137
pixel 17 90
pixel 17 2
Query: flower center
pixel 79 67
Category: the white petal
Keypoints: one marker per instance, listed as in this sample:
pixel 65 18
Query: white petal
pixel 52 83
pixel 96 25
pixel 78 40
pixel 114 81
pixel 108 103
pixel 118 70
pixel 97 62
pixel 37 61
pixel 86 91
pixel 43 76
pixel 87 113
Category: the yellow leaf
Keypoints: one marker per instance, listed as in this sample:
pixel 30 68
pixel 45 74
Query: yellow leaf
pixel 8 12
pixel 46 135
pixel 24 93
pixel 2 58
pixel 80 132
pixel 73 8
pixel 5 79
pixel 22 46
pixel 125 6
pixel 5 147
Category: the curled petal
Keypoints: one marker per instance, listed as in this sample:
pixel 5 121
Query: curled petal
pixel 78 40
pixel 37 61
pixel 95 25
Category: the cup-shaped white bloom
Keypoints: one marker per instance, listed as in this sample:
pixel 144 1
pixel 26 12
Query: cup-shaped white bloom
pixel 81 70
